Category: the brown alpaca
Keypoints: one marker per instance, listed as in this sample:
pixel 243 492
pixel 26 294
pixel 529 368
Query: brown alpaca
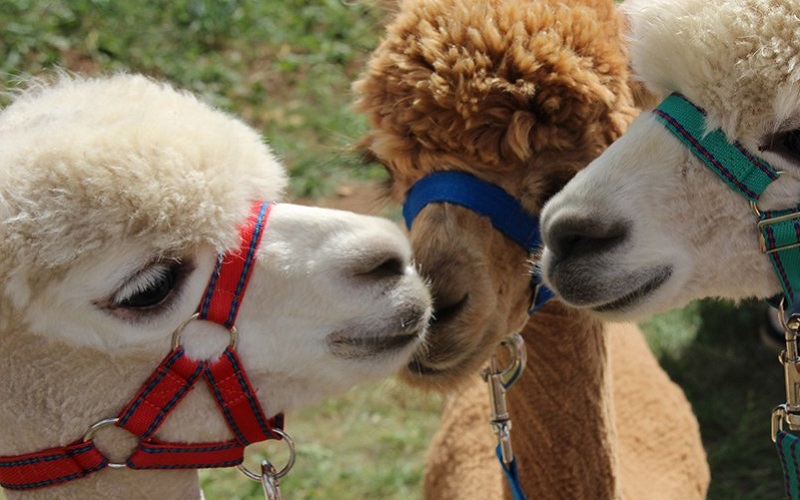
pixel 523 95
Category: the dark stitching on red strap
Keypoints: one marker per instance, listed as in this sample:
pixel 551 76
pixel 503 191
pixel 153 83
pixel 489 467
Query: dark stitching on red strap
pixel 254 406
pixel 206 302
pixel 172 402
pixel 228 417
pixel 153 383
pixel 248 261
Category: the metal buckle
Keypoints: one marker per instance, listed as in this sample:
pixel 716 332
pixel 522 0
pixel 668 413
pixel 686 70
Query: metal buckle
pixel 774 220
pixel 499 380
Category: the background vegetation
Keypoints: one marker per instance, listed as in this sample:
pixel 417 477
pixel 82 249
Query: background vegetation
pixel 285 66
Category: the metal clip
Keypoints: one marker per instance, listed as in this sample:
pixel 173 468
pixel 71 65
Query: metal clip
pixel 789 413
pixel 499 380
pixel 269 474
pixel 269 481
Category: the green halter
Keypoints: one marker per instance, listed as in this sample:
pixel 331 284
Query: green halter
pixel 779 236
pixel 748 175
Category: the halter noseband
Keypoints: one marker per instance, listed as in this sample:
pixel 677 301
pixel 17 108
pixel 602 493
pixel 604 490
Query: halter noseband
pixel 170 382
pixel 488 200
pixel 779 237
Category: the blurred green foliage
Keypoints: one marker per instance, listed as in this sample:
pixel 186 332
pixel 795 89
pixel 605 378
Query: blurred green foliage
pixel 284 66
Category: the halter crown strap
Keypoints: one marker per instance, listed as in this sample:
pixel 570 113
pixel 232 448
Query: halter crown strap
pixel 748 175
pixel 503 210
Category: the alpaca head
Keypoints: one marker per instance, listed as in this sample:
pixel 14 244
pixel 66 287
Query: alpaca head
pixel 648 227
pixel 521 96
pixel 116 195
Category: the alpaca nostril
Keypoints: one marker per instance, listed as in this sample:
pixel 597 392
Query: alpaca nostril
pixel 570 238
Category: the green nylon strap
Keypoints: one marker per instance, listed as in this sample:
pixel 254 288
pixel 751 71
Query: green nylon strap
pixel 741 170
pixel 745 173
pixel 787 446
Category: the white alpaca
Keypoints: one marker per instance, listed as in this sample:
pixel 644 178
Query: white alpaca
pixel 647 226
pixel 116 195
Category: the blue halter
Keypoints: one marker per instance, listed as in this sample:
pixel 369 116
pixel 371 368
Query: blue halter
pixel 507 216
pixel 488 200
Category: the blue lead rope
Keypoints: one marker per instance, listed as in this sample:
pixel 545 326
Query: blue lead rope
pixel 512 476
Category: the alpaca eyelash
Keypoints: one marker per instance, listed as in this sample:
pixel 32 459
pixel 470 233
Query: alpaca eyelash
pixel 140 282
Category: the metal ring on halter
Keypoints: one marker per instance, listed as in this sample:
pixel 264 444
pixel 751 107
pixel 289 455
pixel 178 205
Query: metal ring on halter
pixel 286 468
pixel 106 422
pixel 176 335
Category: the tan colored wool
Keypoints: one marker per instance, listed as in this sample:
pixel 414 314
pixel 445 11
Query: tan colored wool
pixel 522 94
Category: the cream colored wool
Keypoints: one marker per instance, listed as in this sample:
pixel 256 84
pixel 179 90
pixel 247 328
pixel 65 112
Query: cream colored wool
pixel 522 94
pixel 108 186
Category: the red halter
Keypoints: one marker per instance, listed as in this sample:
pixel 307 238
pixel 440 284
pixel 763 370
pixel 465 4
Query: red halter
pixel 166 387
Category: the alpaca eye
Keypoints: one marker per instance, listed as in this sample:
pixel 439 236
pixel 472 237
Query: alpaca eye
pixel 791 141
pixel 784 144
pixel 149 288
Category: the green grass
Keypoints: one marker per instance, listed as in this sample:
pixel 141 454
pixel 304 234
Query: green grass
pixel 286 66
pixel 369 443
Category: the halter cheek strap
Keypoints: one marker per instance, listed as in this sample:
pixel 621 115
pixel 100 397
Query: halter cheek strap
pixel 174 377
pixel 503 210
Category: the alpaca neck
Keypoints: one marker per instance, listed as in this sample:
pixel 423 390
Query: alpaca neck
pixel 561 408
pixel 53 392
pixel 120 484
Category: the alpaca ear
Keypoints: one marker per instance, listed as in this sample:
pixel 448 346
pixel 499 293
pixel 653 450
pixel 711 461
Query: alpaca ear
pixel 643 98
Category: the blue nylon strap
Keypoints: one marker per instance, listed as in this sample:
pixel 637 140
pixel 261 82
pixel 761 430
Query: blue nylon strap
pixel 486 199
pixel 787 446
pixel 512 476
pixel 507 216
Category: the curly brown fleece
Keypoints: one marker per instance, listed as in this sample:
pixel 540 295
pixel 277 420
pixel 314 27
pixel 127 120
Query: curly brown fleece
pixel 494 84
pixel 523 94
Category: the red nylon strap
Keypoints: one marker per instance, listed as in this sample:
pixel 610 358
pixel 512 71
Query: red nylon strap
pixel 228 283
pixel 49 467
pixel 236 399
pixel 167 386
pixel 159 455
